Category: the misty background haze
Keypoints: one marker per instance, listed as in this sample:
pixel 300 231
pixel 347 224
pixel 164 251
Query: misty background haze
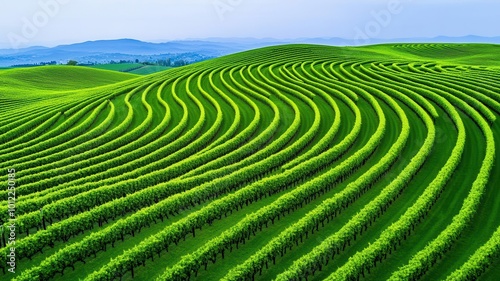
pixel 164 20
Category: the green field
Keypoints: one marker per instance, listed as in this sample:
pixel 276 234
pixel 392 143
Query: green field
pixel 34 81
pixel 134 68
pixel 149 69
pixel 294 162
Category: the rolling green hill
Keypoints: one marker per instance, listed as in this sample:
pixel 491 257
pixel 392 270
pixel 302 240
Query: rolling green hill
pixel 57 78
pixel 295 162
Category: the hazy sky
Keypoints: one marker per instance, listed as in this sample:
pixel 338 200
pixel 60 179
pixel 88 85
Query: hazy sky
pixel 52 22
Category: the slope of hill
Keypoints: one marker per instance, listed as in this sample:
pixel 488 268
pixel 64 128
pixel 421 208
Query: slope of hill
pixel 295 162
pixel 468 54
pixel 122 67
pixel 134 68
pixel 149 69
pixel 58 78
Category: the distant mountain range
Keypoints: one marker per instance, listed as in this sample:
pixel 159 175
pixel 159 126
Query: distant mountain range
pixel 104 51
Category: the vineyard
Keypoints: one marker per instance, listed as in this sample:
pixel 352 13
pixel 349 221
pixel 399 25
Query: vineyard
pixel 295 162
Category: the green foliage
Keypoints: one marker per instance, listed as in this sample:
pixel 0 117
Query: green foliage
pixel 292 162
pixel 72 62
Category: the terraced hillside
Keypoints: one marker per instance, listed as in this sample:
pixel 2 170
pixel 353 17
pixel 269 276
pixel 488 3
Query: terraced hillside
pixel 295 162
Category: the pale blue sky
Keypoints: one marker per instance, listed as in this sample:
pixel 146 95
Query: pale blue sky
pixel 29 22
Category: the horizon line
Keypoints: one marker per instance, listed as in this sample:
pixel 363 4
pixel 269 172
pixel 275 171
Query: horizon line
pixel 283 40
